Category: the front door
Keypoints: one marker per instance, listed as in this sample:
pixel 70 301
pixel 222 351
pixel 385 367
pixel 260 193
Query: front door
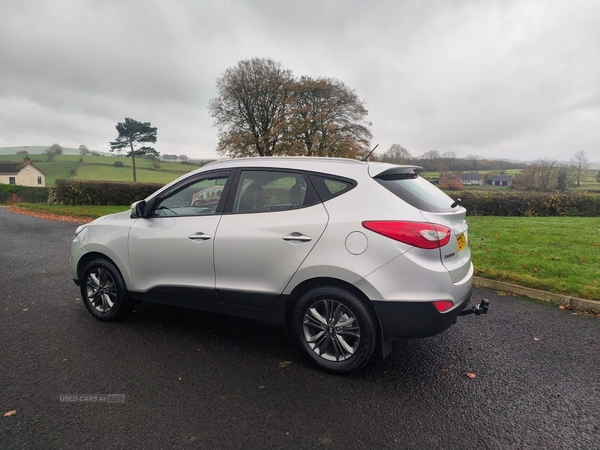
pixel 171 252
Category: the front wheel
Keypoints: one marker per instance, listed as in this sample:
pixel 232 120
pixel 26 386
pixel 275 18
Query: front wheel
pixel 103 290
pixel 335 328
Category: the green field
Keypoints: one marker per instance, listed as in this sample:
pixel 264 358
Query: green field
pixel 556 254
pixel 102 168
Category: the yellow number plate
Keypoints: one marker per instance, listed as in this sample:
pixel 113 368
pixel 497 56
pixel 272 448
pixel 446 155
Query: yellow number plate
pixel 461 240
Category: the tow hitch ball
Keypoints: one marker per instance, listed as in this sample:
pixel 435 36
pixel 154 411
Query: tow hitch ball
pixel 482 308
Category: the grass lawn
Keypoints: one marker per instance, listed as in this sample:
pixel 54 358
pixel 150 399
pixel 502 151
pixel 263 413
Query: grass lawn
pixel 556 254
pixel 103 172
pixel 84 211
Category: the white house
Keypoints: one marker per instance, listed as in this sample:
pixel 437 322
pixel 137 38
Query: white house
pixel 471 178
pixel 21 173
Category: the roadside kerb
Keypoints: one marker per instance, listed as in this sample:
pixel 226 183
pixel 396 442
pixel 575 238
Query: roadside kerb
pixel 557 299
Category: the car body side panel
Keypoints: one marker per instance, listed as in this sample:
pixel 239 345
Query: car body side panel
pixel 251 254
pixel 162 253
pixel 108 236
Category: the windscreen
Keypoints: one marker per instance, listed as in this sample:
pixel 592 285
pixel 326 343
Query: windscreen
pixel 417 191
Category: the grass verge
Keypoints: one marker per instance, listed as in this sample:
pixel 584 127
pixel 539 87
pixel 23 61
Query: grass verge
pixel 555 254
pixel 77 211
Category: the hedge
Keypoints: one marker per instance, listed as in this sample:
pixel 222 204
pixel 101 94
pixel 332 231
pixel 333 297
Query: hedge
pixel 14 193
pixel 87 192
pixel 529 204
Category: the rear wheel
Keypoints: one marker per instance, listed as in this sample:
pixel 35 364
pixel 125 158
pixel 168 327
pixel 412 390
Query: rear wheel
pixel 103 290
pixel 335 328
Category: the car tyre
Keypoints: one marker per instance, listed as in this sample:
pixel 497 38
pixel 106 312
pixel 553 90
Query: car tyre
pixel 103 290
pixel 335 328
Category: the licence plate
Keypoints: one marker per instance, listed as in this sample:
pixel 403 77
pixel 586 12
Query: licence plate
pixel 461 240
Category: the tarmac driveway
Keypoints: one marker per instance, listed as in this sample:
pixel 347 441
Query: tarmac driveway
pixel 185 379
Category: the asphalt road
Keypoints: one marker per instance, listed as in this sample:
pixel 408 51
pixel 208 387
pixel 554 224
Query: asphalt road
pixel 199 380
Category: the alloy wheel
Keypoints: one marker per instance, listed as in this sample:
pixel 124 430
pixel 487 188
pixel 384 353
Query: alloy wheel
pixel 331 330
pixel 101 290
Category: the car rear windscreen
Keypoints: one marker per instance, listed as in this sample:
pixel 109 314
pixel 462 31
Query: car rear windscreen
pixel 416 191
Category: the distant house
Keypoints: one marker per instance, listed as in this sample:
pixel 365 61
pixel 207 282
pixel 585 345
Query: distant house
pixel 471 179
pixel 501 180
pixel 21 173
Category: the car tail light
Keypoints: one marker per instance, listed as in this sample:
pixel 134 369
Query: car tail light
pixel 420 234
pixel 443 305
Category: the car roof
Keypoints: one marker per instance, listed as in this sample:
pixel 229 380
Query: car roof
pixel 339 166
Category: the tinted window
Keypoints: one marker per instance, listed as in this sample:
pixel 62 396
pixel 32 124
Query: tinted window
pixel 329 187
pixel 417 192
pixel 199 198
pixel 262 191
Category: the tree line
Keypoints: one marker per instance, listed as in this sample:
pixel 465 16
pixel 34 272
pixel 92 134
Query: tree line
pixel 541 175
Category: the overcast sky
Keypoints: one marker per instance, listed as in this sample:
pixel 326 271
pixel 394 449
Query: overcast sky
pixel 504 79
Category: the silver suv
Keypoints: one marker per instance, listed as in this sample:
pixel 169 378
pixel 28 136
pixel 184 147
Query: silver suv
pixel 348 255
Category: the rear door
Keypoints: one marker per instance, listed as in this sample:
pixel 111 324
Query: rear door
pixel 273 220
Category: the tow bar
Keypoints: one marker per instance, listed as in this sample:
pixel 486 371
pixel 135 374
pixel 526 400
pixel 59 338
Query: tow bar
pixel 482 308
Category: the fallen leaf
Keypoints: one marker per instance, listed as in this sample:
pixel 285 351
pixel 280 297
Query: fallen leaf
pixel 10 413
pixel 575 314
pixel 561 307
pixel 192 439
pixel 536 339
pixel 64 359
pixel 470 375
pixel 26 309
pixel 284 364
pixel 261 387
pixel 445 370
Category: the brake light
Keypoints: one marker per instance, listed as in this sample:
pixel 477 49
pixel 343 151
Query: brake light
pixel 420 234
pixel 443 305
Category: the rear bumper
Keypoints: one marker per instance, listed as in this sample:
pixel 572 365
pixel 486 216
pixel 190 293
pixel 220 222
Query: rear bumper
pixel 415 319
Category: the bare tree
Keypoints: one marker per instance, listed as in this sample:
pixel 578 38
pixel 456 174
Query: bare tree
pixel 325 118
pixel 580 164
pixel 250 108
pixel 432 159
pixel 474 159
pixel 53 150
pixel 396 154
pixel 448 159
pixel 541 175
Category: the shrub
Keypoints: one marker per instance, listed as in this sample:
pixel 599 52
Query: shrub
pixel 118 164
pixel 87 192
pixel 11 193
pixel 530 204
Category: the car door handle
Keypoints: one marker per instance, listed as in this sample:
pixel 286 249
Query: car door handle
pixel 295 236
pixel 200 236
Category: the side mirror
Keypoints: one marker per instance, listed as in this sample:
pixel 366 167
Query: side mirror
pixel 138 210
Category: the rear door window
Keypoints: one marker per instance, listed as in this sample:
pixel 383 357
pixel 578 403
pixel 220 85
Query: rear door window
pixel 330 187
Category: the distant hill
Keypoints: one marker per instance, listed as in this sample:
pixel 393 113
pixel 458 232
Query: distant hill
pixel 39 149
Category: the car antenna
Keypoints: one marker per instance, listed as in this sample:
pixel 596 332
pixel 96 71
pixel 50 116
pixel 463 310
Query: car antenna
pixel 456 203
pixel 366 158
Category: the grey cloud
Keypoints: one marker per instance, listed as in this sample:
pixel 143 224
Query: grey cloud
pixel 494 78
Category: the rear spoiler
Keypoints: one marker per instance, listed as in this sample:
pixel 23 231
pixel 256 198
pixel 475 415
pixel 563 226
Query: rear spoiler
pixel 393 172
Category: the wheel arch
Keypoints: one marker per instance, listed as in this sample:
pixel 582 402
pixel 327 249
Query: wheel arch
pixel 91 256
pixel 312 283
